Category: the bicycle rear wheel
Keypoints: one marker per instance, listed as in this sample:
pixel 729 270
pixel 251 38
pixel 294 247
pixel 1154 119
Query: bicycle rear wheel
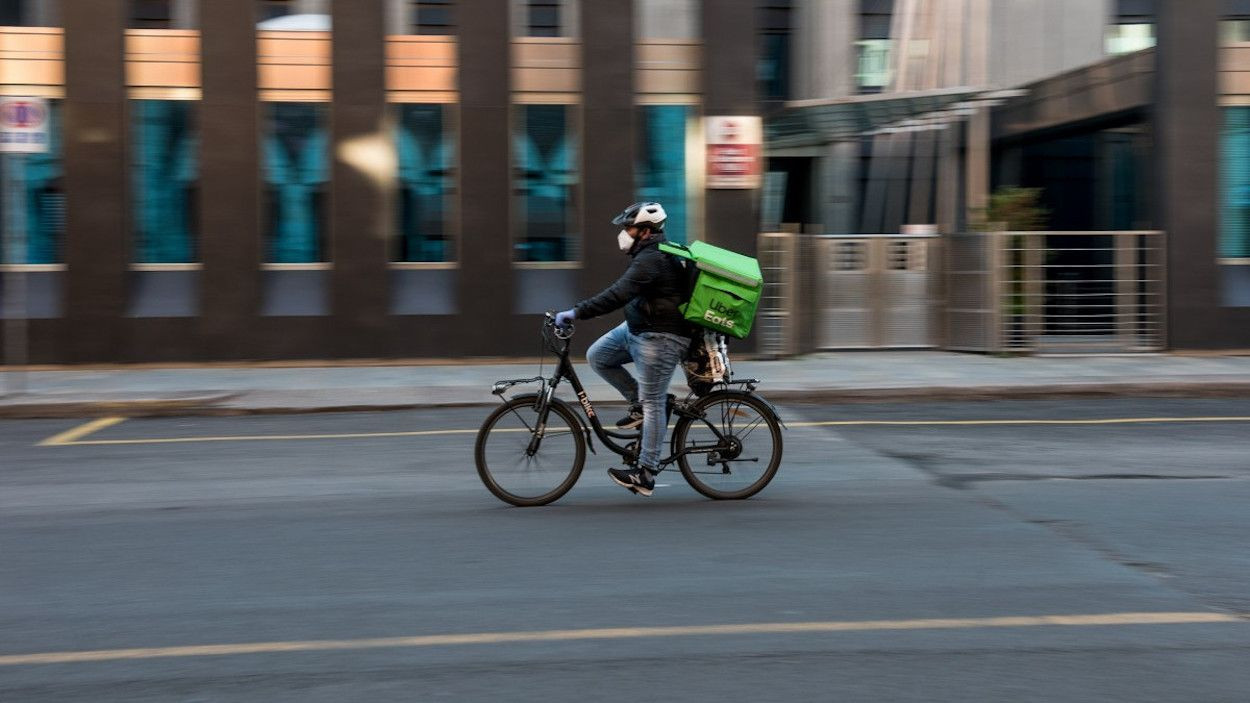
pixel 508 468
pixel 736 445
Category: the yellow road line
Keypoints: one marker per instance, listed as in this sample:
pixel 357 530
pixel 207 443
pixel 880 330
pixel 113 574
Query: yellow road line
pixel 1103 421
pixel 71 439
pixel 71 435
pixel 277 438
pixel 772 628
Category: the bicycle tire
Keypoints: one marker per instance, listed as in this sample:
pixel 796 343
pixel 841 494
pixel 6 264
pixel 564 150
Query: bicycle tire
pixel 702 406
pixel 514 407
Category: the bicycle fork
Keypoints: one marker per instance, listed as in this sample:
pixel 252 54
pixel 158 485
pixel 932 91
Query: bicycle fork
pixel 540 428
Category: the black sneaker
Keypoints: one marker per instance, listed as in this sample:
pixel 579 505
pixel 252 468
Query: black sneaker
pixel 638 480
pixel 633 419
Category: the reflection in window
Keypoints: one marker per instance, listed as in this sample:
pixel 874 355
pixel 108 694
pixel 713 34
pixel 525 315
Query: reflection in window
pixel 1233 31
pixel 296 174
pixel 432 17
pixel 427 183
pixel 151 14
pixel 662 164
pixel 545 172
pixel 30 13
pixel 667 19
pixel 1235 174
pixel 874 64
pixel 543 18
pixel 1127 38
pixel 44 200
pixel 164 177
pixel 272 9
pixel 773 67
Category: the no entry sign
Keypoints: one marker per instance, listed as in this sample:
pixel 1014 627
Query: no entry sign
pixel 23 125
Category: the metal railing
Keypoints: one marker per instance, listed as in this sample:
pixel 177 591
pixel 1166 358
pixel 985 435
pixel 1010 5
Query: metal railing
pixel 776 322
pixel 1080 291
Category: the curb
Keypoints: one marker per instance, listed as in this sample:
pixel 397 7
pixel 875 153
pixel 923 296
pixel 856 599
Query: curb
pixel 131 407
pixel 235 404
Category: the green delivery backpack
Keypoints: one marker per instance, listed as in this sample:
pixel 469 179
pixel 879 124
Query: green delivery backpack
pixel 726 287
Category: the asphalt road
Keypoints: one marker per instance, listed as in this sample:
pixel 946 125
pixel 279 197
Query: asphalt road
pixel 934 557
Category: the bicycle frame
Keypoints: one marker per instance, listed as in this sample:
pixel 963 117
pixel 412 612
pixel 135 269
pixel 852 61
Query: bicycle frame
pixel 565 370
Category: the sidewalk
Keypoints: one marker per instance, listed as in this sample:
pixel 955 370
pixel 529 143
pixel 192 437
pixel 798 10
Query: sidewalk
pixel 833 377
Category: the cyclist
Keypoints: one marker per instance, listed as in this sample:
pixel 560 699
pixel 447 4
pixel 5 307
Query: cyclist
pixel 655 336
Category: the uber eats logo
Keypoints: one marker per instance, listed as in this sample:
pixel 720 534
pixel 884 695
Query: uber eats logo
pixel 720 314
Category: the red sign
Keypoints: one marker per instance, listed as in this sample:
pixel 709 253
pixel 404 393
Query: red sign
pixel 734 151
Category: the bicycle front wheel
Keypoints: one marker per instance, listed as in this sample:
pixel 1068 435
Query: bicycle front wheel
pixel 521 470
pixel 733 450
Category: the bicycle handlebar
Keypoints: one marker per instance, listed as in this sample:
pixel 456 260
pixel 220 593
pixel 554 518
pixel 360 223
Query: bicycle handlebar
pixel 565 333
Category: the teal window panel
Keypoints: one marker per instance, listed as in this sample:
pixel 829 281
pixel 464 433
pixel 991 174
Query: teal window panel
pixel 1235 184
pixel 545 175
pixel 296 179
pixel 43 197
pixel 426 149
pixel 164 176
pixel 661 172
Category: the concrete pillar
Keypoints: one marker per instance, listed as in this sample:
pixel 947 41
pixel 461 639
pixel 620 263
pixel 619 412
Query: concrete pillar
pixel 485 180
pixel 363 172
pixel 229 162
pixel 838 171
pixel 920 187
pixel 729 55
pixel 824 60
pixel 1187 130
pixel 97 245
pixel 977 164
pixel 608 136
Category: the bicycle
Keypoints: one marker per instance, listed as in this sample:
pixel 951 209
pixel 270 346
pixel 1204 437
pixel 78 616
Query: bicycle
pixel 531 450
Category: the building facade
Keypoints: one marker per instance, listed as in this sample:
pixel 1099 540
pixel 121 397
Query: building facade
pixel 252 179
pixel 1126 116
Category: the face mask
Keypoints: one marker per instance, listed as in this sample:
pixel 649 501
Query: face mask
pixel 624 241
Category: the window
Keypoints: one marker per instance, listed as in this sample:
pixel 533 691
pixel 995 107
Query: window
pixel 432 17
pixel 1235 177
pixel 164 181
pixel 151 14
pixel 296 176
pixel 873 74
pixel 543 18
pixel 773 68
pixel 1127 38
pixel 544 183
pixel 874 46
pixel 427 182
pixel 661 171
pixel 270 9
pixel 1133 28
pixel 30 13
pixel 1234 31
pixel 43 199
pixel 666 19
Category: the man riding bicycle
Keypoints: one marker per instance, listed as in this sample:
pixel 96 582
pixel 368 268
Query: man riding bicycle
pixel 655 336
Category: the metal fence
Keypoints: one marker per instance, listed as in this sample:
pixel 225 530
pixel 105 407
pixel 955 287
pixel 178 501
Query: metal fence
pixel 777 320
pixel 875 291
pixel 1056 291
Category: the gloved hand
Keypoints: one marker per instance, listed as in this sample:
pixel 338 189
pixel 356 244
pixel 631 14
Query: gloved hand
pixel 564 319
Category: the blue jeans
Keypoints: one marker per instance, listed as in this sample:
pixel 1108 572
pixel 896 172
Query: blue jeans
pixel 655 356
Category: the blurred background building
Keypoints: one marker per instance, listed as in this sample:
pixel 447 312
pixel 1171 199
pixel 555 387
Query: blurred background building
pixel 396 178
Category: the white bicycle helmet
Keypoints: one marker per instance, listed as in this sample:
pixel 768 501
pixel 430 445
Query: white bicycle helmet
pixel 644 214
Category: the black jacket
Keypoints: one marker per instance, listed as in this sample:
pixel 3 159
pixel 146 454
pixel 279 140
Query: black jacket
pixel 650 290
